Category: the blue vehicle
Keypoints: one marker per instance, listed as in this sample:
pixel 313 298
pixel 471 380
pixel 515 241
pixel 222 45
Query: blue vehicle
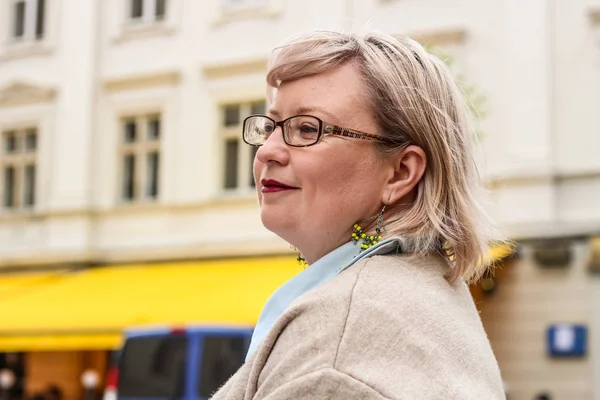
pixel 190 363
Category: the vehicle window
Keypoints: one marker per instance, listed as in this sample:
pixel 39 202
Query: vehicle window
pixel 221 357
pixel 153 366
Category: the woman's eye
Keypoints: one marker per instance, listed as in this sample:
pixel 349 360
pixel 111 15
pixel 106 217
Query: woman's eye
pixel 306 129
pixel 267 129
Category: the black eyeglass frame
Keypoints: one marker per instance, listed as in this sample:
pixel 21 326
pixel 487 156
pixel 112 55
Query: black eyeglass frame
pixel 325 128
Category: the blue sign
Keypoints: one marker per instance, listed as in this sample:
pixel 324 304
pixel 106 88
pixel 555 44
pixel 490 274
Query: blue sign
pixel 566 340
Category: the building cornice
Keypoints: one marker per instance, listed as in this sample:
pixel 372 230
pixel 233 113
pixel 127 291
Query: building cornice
pixel 552 229
pixel 142 81
pixel 194 251
pixel 226 69
pixel 63 259
pixel 540 177
pixel 20 93
pixel 268 246
pixel 264 9
pixel 17 51
pixel 230 68
pixel 131 33
pixel 209 205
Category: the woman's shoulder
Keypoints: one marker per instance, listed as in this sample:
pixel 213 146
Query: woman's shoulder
pixel 394 294
pixel 398 287
pixel 392 316
pixel 399 294
pixel 404 317
pixel 391 279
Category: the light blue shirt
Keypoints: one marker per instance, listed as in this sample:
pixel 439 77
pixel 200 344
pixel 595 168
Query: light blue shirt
pixel 321 271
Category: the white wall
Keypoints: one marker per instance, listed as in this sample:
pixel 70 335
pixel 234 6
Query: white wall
pixel 536 62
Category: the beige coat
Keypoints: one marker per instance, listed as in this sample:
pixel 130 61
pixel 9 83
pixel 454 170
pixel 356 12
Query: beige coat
pixel 389 327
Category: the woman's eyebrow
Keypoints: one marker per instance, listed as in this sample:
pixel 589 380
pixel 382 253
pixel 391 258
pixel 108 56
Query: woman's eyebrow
pixel 309 110
pixel 274 112
pixel 302 110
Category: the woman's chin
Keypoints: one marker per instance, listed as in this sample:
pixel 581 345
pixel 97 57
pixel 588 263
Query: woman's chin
pixel 280 223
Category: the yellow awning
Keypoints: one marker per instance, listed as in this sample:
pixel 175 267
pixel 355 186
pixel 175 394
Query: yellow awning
pixel 89 309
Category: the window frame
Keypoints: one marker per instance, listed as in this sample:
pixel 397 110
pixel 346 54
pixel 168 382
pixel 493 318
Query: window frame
pixel 245 153
pixel 148 16
pixel 140 149
pixel 19 161
pixel 31 21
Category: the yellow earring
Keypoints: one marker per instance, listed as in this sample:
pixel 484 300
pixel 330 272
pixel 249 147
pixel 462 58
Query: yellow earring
pixel 369 241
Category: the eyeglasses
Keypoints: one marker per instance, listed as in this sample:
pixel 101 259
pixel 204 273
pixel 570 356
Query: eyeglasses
pixel 298 131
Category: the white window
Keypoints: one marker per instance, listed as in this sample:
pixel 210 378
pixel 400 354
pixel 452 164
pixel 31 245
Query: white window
pixel 147 11
pixel 140 158
pixel 28 17
pixel 238 156
pixel 18 161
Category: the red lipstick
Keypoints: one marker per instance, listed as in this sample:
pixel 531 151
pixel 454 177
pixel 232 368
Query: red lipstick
pixel 273 186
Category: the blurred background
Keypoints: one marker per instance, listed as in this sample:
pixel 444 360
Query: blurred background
pixel 127 196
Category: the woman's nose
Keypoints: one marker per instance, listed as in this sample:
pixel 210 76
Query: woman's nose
pixel 274 148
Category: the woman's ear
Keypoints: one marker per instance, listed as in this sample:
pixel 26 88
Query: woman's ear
pixel 408 169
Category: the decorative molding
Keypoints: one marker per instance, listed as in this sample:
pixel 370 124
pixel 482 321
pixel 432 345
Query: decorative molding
pixel 34 260
pixel 521 178
pixel 232 68
pixel 533 178
pixel 198 251
pixel 16 51
pixel 95 256
pixel 551 229
pixel 226 69
pixel 440 37
pixel 232 14
pixel 230 201
pixel 143 31
pixel 134 82
pixel 566 175
pixel 21 93
pixel 594 15
pixel 24 215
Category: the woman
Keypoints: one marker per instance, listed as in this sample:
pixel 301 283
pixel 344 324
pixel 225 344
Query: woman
pixel 365 167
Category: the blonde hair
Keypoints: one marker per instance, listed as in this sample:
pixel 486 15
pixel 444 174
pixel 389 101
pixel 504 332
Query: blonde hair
pixel 415 100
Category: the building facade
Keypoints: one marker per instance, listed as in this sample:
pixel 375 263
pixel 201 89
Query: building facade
pixel 120 124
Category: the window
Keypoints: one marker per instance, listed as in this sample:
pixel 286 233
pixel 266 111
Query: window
pixel 140 157
pixel 238 156
pixel 153 367
pixel 28 19
pixel 147 11
pixel 221 358
pixel 18 161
